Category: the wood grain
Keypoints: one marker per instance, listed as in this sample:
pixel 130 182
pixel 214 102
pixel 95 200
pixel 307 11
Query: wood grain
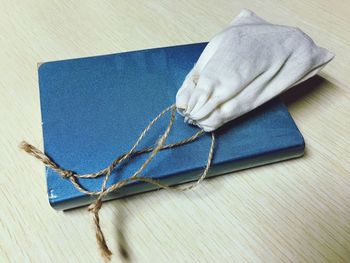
pixel 294 211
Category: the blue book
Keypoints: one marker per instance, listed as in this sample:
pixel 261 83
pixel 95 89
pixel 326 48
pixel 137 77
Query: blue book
pixel 93 109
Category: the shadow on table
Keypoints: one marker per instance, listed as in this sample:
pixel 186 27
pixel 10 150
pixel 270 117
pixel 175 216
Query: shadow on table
pixel 123 248
pixel 310 88
pixel 305 98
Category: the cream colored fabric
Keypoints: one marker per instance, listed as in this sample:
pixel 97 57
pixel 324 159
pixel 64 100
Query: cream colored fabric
pixel 244 66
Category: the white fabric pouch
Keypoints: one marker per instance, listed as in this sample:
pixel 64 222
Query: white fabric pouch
pixel 244 66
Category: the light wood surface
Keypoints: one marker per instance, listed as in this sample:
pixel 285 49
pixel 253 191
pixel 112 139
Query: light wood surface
pixel 294 211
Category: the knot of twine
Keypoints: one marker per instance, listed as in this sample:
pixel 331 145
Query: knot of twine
pixel 67 174
pixel 96 206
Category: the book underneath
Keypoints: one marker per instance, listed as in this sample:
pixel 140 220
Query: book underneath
pixel 93 109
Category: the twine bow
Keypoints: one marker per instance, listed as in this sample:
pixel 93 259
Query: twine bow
pixel 96 206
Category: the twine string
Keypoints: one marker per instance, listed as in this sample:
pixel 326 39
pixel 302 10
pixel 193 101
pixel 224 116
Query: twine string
pixel 95 207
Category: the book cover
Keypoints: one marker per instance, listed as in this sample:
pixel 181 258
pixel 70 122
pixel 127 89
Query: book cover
pixel 93 109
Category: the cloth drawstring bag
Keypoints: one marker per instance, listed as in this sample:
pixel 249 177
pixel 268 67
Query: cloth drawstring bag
pixel 244 66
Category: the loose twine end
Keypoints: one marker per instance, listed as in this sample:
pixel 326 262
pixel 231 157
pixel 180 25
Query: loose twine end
pixel 96 206
pixel 26 147
pixel 101 241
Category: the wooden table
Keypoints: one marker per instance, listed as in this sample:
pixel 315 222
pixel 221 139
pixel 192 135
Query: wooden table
pixel 294 211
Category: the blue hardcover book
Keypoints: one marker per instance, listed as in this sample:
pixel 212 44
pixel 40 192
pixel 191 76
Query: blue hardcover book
pixel 93 110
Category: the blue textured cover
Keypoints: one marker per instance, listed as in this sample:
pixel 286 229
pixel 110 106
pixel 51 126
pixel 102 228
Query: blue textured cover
pixel 93 109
